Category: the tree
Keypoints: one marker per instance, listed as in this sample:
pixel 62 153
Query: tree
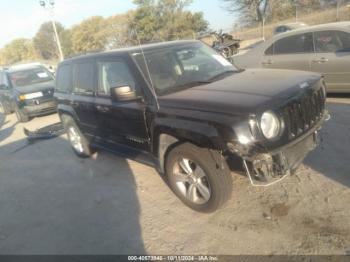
pixel 18 50
pixel 66 42
pixel 281 9
pixel 249 10
pixel 89 35
pixel 45 42
pixel 146 21
pixel 117 30
pixel 166 20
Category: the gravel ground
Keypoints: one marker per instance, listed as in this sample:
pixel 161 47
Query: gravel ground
pixel 55 203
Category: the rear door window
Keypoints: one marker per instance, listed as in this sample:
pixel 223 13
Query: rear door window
pixel 332 41
pixel 64 78
pixel 345 41
pixel 296 44
pixel 84 78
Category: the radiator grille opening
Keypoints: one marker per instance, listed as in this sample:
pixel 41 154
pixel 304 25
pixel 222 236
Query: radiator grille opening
pixel 302 115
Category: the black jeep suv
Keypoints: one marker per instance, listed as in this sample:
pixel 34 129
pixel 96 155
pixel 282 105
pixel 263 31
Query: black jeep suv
pixel 27 90
pixel 183 108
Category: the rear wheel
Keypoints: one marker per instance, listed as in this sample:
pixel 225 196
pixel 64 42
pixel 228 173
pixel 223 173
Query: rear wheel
pixel 76 138
pixel 197 179
pixel 21 115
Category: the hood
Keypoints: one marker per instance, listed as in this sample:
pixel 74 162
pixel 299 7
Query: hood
pixel 35 88
pixel 243 93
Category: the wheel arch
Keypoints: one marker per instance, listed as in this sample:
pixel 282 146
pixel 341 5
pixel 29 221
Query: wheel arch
pixel 67 110
pixel 166 137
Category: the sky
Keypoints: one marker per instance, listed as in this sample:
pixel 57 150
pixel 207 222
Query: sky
pixel 22 18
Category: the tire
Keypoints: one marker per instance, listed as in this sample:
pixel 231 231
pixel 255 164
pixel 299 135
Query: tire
pixel 206 185
pixel 5 108
pixel 78 141
pixel 21 116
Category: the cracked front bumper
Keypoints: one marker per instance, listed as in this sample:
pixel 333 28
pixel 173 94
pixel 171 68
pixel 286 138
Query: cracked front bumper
pixel 267 168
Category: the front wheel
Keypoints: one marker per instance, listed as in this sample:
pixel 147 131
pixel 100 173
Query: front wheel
pixel 21 115
pixel 197 179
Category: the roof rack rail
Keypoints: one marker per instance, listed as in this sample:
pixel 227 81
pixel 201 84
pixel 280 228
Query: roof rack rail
pixel 89 52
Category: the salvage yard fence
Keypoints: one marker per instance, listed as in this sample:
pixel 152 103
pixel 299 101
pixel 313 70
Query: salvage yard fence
pixel 308 15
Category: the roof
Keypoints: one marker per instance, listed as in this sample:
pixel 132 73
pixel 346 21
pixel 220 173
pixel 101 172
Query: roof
pixel 294 24
pixel 133 49
pixel 330 26
pixel 20 67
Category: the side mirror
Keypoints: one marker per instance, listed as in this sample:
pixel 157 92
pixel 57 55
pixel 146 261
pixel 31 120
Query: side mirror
pixel 123 93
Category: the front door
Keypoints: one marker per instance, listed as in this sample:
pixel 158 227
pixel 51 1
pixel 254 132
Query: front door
pixel 119 122
pixel 332 59
pixel 292 52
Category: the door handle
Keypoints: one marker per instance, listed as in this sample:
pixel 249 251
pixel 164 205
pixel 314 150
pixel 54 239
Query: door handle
pixel 102 109
pixel 321 60
pixel 268 62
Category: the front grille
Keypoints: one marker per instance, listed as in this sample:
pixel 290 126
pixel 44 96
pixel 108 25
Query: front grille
pixel 303 114
pixel 47 97
pixel 48 92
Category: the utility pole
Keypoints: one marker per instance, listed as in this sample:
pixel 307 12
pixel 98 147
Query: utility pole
pixel 337 18
pixel 49 6
pixel 263 27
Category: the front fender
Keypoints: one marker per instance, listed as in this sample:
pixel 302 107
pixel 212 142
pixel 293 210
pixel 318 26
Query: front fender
pixel 200 133
pixel 68 110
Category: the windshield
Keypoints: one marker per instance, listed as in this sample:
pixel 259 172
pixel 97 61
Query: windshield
pixel 175 68
pixel 29 77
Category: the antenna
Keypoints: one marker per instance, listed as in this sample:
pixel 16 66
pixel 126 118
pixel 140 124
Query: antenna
pixel 147 68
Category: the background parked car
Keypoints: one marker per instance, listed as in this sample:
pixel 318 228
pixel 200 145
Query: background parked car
pixel 323 48
pixel 27 90
pixel 288 27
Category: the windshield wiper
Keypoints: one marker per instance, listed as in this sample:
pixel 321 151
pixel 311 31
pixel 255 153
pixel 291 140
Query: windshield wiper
pixel 194 83
pixel 221 74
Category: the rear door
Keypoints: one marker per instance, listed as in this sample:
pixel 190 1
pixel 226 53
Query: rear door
pixel 120 122
pixel 64 85
pixel 291 52
pixel 332 58
pixel 83 95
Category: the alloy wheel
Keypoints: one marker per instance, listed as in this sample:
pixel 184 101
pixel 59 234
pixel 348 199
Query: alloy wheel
pixel 191 181
pixel 75 139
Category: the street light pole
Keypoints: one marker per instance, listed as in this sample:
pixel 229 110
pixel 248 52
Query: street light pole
pixel 49 6
pixel 296 5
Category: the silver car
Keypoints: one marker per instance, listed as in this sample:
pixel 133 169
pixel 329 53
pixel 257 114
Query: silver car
pixel 323 48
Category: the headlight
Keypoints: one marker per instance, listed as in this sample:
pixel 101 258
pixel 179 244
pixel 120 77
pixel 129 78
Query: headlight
pixel 270 125
pixel 30 96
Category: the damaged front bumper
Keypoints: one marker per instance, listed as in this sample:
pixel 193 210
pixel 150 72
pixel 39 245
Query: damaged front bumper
pixel 265 169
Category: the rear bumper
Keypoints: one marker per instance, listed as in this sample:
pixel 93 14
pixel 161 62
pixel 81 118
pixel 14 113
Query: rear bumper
pixel 40 109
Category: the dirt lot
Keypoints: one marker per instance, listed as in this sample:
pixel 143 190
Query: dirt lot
pixel 55 203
